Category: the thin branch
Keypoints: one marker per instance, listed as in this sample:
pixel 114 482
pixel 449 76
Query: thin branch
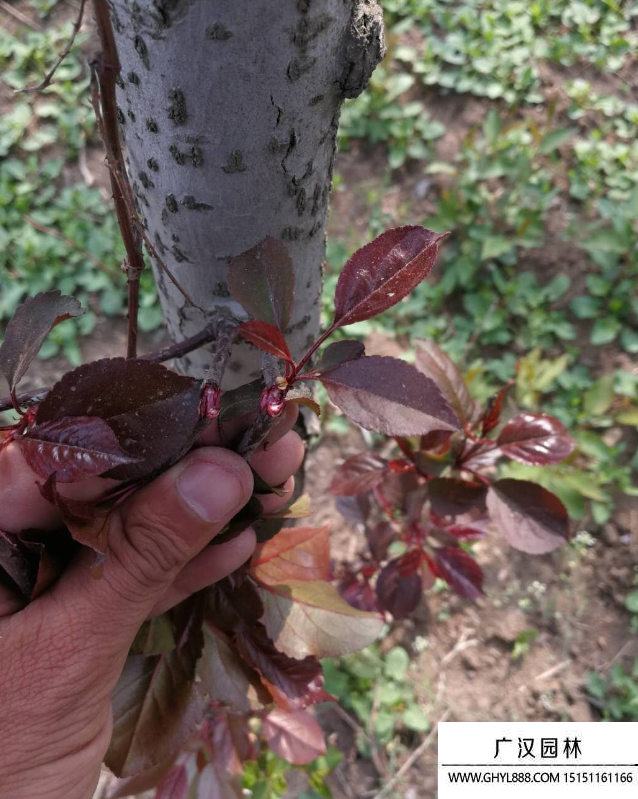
pixel 51 232
pixel 17 14
pixel 49 76
pixel 107 70
pixel 178 350
pixel 420 750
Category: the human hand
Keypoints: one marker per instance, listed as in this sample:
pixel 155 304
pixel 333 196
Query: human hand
pixel 61 656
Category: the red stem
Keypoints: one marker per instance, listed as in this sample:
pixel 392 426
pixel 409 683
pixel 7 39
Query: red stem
pixel 313 349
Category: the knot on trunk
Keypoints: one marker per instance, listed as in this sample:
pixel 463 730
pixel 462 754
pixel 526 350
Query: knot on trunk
pixel 364 48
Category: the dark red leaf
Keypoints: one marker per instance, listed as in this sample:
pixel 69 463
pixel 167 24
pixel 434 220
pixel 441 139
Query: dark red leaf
pixel 389 396
pixel 383 272
pixel 539 440
pixel 399 587
pixel 31 324
pixel 153 411
pixel 293 683
pixel 396 490
pixel 241 401
pixel 73 448
pixel 262 281
pixel 354 509
pixel 340 352
pixel 458 507
pixel 379 539
pixel 492 414
pixel 359 593
pixel 529 517
pixel 21 562
pixel 435 364
pixel 224 677
pixel 267 338
pixel 155 704
pixel 295 737
pixel 460 570
pixel 358 474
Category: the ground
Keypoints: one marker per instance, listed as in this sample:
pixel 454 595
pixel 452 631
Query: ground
pixel 462 655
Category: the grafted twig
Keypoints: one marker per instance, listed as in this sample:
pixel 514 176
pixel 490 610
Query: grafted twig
pixel 46 81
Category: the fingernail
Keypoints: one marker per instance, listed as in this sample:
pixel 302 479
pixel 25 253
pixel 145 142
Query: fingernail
pixel 210 491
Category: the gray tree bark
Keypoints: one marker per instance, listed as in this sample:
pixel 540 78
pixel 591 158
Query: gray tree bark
pixel 229 112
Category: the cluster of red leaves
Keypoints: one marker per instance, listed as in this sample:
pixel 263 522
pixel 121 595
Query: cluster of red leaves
pixel 442 492
pixel 251 644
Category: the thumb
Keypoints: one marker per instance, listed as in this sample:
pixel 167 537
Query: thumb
pixel 152 537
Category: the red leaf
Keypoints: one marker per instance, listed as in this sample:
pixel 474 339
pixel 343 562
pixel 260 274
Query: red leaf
pixel 340 352
pixel 295 737
pixel 241 401
pixel 358 474
pixel 458 506
pixel 492 414
pixel 389 396
pixel 31 324
pixel 73 448
pixel 229 736
pixel 215 782
pixel 20 561
pixel 358 593
pixel 436 440
pixel 225 677
pixel 435 364
pixel 379 539
pixel 399 586
pixel 267 338
pixel 354 509
pixel 396 492
pixel 293 683
pixel 295 553
pixel 153 411
pixel 174 785
pixel 460 570
pixel 155 705
pixel 383 272
pixel 529 517
pixel 262 281
pixel 539 440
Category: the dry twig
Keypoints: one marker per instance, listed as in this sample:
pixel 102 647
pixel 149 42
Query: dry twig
pixel 420 750
pixel 17 14
pixel 56 234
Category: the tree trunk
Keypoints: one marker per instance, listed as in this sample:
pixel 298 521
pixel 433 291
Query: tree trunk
pixel 229 112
